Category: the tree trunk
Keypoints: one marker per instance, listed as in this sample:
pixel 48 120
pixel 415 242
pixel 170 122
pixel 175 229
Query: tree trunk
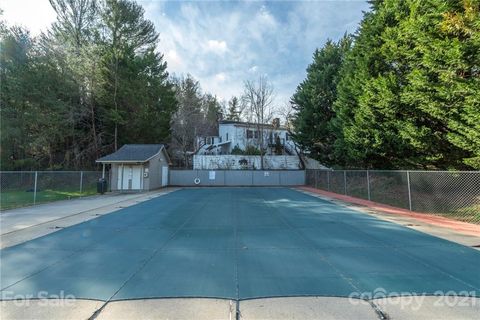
pixel 92 113
pixel 116 134
pixel 115 103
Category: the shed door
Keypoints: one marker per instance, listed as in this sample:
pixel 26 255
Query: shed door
pixel 136 177
pixel 129 178
pixel 164 176
pixel 119 177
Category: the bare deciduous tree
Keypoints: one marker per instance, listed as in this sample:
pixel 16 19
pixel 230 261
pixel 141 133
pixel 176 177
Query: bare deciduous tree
pixel 286 112
pixel 189 115
pixel 197 116
pixel 258 98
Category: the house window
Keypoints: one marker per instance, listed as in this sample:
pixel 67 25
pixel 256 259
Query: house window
pixel 249 134
pixel 256 134
pixel 226 138
pixel 286 136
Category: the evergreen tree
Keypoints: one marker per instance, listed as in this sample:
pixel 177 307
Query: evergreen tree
pixel 153 100
pixel 187 122
pixel 67 94
pixel 126 35
pixel 234 111
pixel 73 39
pixel 38 93
pixel 313 102
pixel 438 46
pixel 212 110
pixel 365 111
pixel 16 111
pixel 406 97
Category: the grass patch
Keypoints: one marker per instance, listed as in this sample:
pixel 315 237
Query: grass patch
pixel 20 198
pixel 469 214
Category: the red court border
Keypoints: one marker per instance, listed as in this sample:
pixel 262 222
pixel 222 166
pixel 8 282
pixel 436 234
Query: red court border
pixel 458 226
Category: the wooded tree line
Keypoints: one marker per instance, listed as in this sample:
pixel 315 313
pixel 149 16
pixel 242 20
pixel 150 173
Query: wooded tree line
pixel 93 82
pixel 403 92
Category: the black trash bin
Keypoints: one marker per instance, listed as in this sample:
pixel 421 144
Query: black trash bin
pixel 102 186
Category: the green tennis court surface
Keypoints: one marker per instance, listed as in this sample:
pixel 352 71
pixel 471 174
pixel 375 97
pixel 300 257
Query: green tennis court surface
pixel 236 243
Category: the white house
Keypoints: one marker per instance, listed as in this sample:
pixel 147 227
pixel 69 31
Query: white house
pixel 238 134
pixel 226 151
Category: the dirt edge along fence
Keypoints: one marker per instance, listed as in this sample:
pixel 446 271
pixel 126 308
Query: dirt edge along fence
pixel 452 194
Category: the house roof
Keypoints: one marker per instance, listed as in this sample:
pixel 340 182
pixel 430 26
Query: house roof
pixel 133 153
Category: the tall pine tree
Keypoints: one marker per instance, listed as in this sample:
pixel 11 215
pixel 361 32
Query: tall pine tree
pixel 408 95
pixel 313 102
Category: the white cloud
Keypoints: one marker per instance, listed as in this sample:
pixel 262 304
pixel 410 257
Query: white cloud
pixel 220 77
pixel 223 44
pixel 262 24
pixel 218 47
pixel 174 60
pixel 35 15
pixel 253 69
pixel 266 18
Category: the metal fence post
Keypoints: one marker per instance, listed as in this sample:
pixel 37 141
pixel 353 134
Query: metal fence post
pixel 409 191
pixel 345 180
pixel 328 180
pixel 368 185
pixel 81 182
pixel 35 188
pixel 123 173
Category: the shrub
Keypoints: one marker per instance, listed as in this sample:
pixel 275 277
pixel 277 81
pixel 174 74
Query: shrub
pixel 237 151
pixel 252 151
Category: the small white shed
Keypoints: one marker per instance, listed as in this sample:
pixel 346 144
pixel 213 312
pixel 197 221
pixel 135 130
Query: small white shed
pixel 137 167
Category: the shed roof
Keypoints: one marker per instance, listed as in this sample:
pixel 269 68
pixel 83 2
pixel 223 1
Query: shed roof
pixel 133 153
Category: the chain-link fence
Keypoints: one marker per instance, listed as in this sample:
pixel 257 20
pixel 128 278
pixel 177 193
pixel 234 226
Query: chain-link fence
pixel 24 188
pixel 454 194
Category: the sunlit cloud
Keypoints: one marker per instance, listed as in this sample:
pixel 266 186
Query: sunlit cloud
pixel 221 77
pixel 173 59
pixel 34 15
pixel 253 69
pixel 218 47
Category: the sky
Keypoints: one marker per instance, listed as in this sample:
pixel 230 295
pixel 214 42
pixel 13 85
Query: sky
pixel 224 43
